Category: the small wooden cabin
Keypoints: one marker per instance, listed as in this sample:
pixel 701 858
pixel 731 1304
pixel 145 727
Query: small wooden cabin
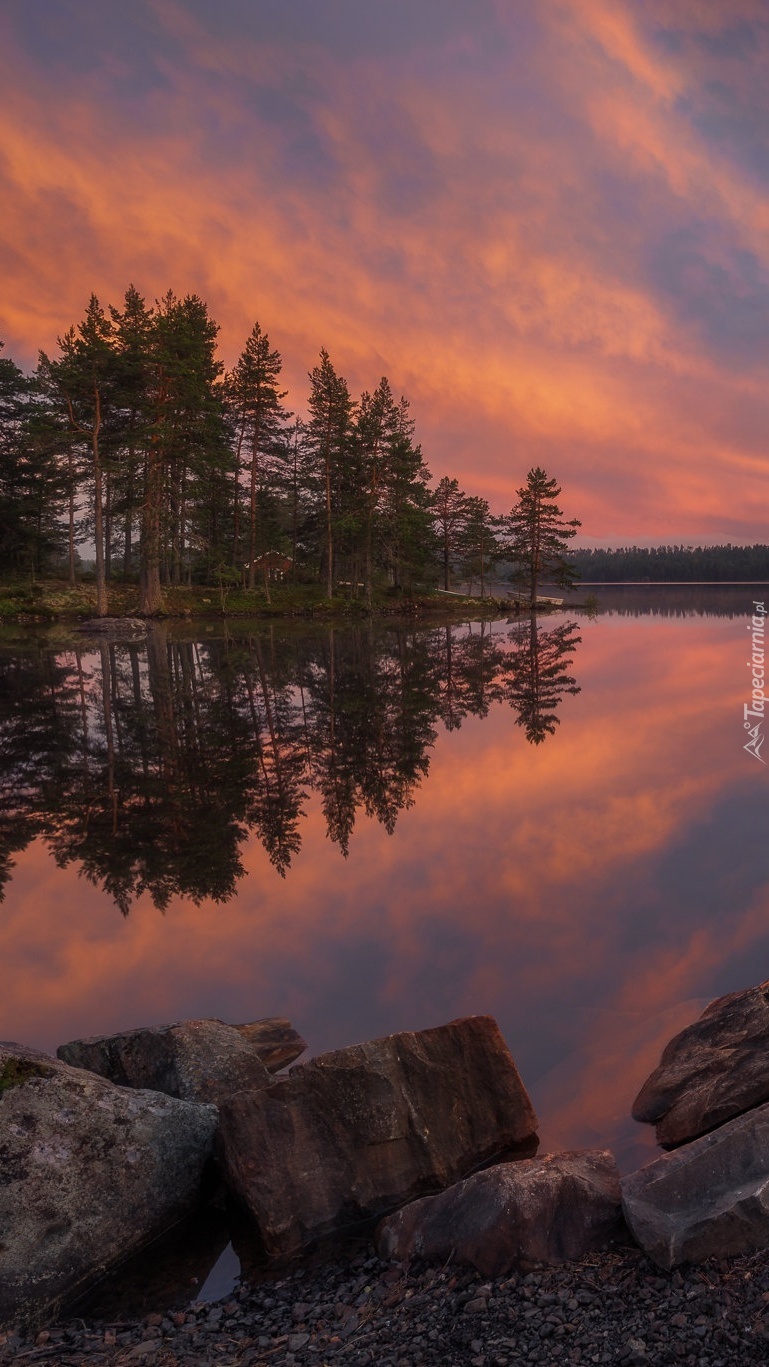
pixel 273 563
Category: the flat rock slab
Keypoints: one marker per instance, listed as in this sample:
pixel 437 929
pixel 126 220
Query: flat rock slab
pixel 708 1198
pixel 714 1070
pixel 89 1173
pixel 355 1133
pixel 549 1209
pixel 196 1060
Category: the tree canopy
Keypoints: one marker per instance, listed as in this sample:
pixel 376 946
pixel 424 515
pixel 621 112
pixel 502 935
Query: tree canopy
pixel 134 445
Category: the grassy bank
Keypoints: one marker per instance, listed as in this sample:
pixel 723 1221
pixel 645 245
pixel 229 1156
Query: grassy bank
pixel 52 601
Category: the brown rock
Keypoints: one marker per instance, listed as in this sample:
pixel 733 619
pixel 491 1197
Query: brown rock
pixel 541 1210
pixel 89 1173
pixel 275 1041
pixel 709 1198
pixel 357 1132
pixel 197 1060
pixel 712 1071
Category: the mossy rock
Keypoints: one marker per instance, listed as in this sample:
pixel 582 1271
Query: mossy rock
pixel 15 1071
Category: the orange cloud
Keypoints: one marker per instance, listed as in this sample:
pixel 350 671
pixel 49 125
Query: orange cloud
pixel 502 242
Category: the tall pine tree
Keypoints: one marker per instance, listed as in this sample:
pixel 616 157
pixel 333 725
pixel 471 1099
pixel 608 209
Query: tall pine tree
pixel 537 536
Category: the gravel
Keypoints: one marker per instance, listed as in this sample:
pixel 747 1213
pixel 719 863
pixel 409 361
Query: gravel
pixel 610 1308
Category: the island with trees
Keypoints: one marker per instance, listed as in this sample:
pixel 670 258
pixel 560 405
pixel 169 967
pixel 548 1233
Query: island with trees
pixel 133 446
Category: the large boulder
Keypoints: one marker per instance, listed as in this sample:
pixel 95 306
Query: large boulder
pixel 710 1197
pixel 89 1173
pixel 712 1071
pixel 357 1132
pixel 548 1209
pixel 196 1060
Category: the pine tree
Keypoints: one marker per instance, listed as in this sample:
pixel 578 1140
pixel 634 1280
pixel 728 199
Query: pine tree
pixel 327 442
pixel 82 379
pixel 132 337
pixel 187 456
pixel 32 484
pixel 376 432
pixel 479 545
pixel 260 421
pixel 406 525
pixel 537 536
pixel 450 513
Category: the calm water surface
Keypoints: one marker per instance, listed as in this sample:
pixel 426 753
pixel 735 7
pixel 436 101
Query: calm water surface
pixel 370 831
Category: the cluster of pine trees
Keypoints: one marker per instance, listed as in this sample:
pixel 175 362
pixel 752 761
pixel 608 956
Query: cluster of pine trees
pixel 134 441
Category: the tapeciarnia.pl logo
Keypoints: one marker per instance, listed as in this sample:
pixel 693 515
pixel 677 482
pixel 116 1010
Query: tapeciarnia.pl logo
pixel 755 708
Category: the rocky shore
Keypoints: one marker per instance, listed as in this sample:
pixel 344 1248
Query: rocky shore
pixel 477 1249
pixel 610 1307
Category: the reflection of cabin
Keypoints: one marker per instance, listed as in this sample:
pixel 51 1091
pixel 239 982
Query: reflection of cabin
pixel 275 565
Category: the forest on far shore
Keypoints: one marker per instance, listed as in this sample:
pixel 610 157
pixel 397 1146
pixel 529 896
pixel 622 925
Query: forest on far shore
pixel 672 564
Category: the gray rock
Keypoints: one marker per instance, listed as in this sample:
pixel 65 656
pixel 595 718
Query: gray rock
pixel 196 1060
pixel 548 1209
pixel 357 1132
pixel 89 1173
pixel 710 1197
pixel 714 1070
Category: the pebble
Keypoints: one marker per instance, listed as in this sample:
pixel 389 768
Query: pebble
pixel 612 1308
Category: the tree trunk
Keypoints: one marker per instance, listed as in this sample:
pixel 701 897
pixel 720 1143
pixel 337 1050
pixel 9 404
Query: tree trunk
pixel 252 506
pixel 151 592
pixel 107 526
pixel 71 513
pixel 101 583
pixel 329 536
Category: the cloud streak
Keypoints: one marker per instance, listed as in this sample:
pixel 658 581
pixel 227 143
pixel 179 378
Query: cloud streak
pixel 548 228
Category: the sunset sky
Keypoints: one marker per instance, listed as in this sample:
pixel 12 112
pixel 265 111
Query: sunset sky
pixel 547 221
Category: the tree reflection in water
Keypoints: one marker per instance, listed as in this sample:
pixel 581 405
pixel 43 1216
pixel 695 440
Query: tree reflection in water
pixel 148 763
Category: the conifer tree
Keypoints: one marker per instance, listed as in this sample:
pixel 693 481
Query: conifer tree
pixel 537 535
pixel 450 512
pixel 82 378
pixel 132 337
pixel 32 483
pixel 260 426
pixel 327 442
pixel 406 525
pixel 376 431
pixel 187 452
pixel 479 545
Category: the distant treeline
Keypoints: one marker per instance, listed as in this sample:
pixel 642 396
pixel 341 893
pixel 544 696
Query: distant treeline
pixel 666 564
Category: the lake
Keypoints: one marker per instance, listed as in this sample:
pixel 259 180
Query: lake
pixel 381 829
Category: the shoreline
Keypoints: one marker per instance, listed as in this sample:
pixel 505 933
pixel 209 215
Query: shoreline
pixel 50 601
pixel 610 1307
